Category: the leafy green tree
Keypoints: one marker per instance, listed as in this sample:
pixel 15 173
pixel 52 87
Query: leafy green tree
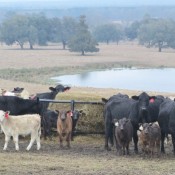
pixel 15 29
pixel 82 41
pixel 68 30
pixel 108 32
pixel 131 31
pixel 55 30
pixel 157 33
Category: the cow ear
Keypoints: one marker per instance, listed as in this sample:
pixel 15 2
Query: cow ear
pixel 115 121
pixel 66 88
pixel 135 97
pixel 141 127
pixel 150 124
pixel 57 111
pixel 104 100
pixel 69 113
pixel 52 88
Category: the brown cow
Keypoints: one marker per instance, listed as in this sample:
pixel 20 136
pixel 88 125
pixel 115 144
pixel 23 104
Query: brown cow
pixel 64 127
pixel 150 137
pixel 123 135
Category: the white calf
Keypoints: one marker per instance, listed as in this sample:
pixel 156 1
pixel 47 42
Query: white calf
pixel 14 126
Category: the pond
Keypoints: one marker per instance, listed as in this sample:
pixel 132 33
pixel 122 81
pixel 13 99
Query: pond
pixel 161 80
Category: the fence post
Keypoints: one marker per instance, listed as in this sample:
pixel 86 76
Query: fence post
pixel 72 105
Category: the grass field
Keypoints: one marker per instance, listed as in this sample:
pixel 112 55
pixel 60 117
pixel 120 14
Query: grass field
pixel 32 69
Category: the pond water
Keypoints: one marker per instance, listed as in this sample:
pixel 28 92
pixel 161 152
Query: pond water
pixel 161 80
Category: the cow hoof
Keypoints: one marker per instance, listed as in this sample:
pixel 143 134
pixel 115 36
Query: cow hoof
pixel 136 151
pixel 107 148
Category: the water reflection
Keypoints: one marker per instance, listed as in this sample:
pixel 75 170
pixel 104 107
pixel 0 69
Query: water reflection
pixel 161 80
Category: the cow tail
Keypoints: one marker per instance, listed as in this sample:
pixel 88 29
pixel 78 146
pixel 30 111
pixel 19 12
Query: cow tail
pixel 111 132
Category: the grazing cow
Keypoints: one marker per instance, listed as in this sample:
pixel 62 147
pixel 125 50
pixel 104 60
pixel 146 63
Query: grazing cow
pixel 21 92
pixel 64 127
pixel 123 135
pixel 150 137
pixel 21 125
pixel 19 106
pixel 166 121
pixel 49 121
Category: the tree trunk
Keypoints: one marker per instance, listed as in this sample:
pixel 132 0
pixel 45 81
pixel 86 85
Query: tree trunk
pixel 21 45
pixel 64 44
pixel 82 52
pixel 31 46
pixel 160 45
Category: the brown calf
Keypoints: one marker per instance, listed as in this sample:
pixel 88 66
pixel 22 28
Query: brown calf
pixel 150 137
pixel 64 127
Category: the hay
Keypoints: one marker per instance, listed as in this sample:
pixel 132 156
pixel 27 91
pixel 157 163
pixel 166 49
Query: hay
pixel 92 120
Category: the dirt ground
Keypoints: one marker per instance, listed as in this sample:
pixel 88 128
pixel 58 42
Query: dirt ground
pixel 87 155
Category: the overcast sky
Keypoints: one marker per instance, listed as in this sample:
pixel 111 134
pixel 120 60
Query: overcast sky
pixel 99 2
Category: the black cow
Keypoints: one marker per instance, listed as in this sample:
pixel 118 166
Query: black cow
pixel 123 135
pixel 50 95
pixel 75 116
pixel 115 109
pixel 136 109
pixel 139 114
pixel 49 121
pixel 19 106
pixel 166 121
pixel 119 95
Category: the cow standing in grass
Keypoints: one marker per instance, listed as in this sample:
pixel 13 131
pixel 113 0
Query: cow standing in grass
pixel 64 127
pixel 123 135
pixel 29 124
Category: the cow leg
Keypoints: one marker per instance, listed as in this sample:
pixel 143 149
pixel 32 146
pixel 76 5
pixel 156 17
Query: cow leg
pixel 127 149
pixel 61 140
pixel 68 138
pixel 33 138
pixel 38 140
pixel 162 142
pixel 108 133
pixel 173 141
pixel 7 138
pixel 15 139
pixel 135 138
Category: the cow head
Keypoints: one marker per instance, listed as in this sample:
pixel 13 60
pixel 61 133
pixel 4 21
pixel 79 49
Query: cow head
pixel 143 103
pixel 3 115
pixel 63 114
pixel 121 124
pixel 59 88
pixel 18 90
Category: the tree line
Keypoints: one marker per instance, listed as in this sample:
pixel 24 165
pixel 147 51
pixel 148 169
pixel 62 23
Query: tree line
pixel 76 35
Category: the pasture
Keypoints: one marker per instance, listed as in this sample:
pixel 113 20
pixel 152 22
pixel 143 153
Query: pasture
pixel 87 155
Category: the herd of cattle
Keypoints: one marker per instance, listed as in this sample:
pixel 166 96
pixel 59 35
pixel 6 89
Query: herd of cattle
pixel 146 118
pixel 153 116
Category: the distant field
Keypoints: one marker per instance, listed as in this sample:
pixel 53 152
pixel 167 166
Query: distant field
pixel 124 54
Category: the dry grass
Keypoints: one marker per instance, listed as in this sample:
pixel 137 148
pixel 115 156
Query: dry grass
pixel 126 54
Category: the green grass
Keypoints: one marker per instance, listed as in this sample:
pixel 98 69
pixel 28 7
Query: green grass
pixel 43 75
